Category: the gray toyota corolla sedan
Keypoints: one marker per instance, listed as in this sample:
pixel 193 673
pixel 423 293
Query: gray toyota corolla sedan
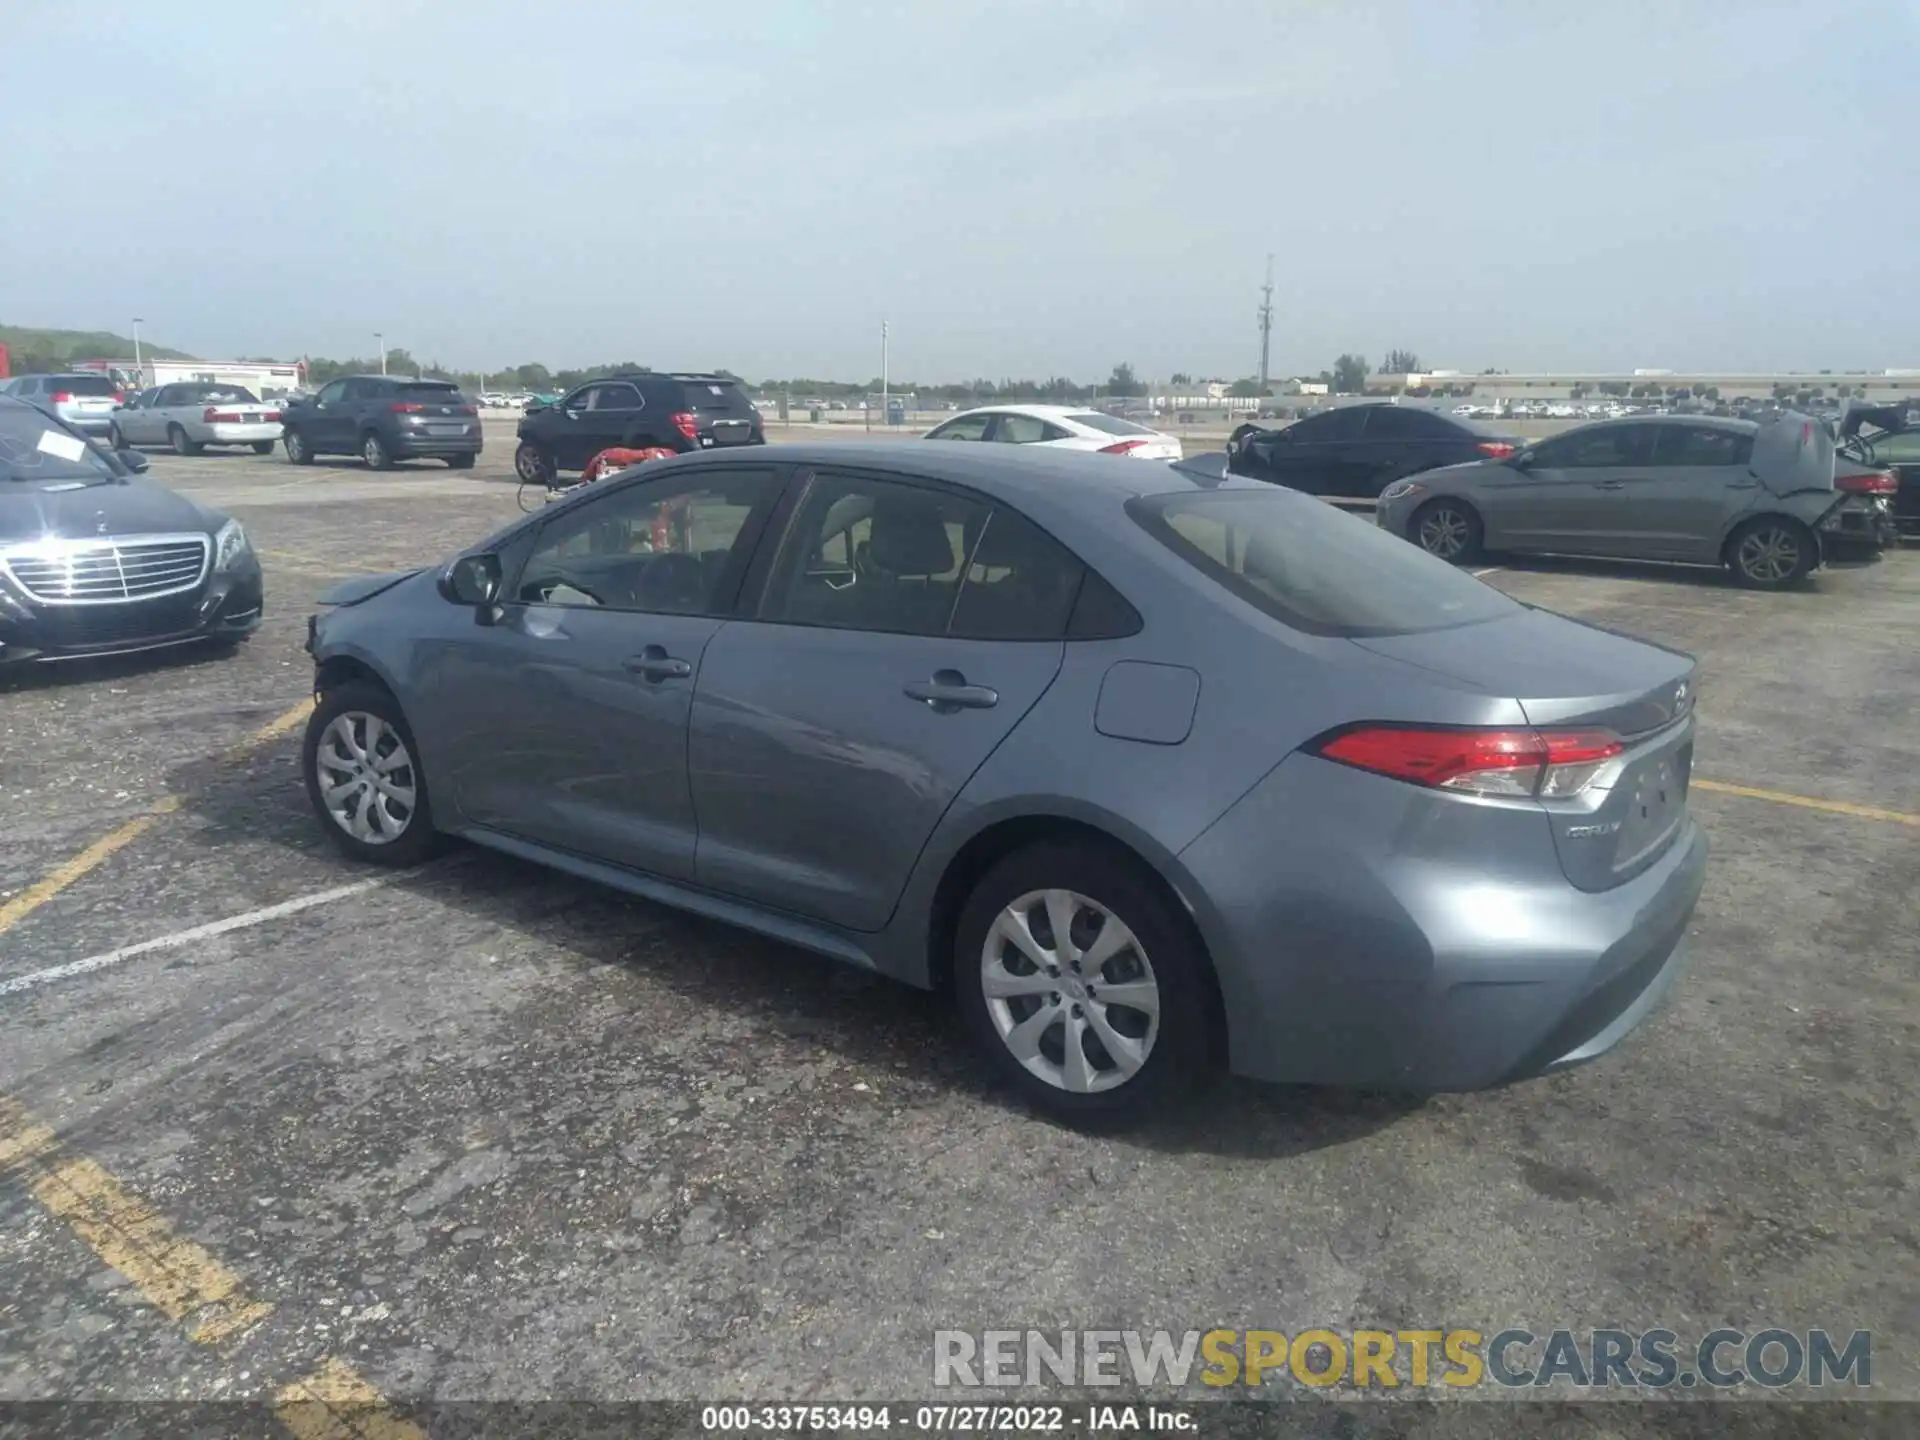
pixel 1149 768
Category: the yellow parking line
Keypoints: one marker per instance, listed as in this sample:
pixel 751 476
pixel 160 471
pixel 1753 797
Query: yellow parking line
pixel 1807 802
pixel 103 849
pixel 175 1276
pixel 335 1403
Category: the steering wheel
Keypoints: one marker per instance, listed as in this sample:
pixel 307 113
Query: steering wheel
pixel 672 580
pixel 543 588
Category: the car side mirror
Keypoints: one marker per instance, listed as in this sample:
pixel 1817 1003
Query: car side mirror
pixel 133 460
pixel 472 580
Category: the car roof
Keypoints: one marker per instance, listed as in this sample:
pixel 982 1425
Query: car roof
pixel 1039 412
pixel 1732 424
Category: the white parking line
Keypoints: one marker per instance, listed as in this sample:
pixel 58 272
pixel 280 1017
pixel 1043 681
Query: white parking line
pixel 187 937
pixel 1490 570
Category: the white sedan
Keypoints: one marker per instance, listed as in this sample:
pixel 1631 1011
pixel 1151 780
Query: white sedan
pixel 1063 427
pixel 191 415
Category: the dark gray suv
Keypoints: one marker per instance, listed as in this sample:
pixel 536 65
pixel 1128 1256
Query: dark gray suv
pixel 384 418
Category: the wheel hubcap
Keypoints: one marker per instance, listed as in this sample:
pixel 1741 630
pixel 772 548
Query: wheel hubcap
pixel 367 779
pixel 1070 991
pixel 1770 554
pixel 372 451
pixel 1444 533
pixel 529 465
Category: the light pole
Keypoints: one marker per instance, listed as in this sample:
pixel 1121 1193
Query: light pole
pixel 379 343
pixel 886 414
pixel 136 342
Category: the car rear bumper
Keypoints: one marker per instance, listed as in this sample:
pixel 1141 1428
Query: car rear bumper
pixel 1410 944
pixel 95 424
pixel 248 434
pixel 429 447
pixel 1858 526
pixel 228 607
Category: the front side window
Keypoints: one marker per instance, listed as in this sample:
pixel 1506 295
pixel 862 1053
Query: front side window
pixel 665 546
pixel 1313 567
pixel 1687 445
pixel 967 427
pixel 868 554
pixel 1607 447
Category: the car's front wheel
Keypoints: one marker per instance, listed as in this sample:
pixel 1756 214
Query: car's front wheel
pixel 1448 530
pixel 1082 985
pixel 1771 553
pixel 364 778
pixel 533 464
pixel 115 439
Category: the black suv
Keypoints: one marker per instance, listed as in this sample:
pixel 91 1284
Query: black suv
pixel 383 418
pixel 683 412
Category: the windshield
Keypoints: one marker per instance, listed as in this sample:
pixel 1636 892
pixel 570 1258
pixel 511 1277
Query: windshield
pixel 439 393
pixel 1107 424
pixel 1315 568
pixel 31 450
pixel 85 385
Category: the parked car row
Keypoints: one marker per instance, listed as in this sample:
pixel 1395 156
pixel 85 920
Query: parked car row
pixel 1771 502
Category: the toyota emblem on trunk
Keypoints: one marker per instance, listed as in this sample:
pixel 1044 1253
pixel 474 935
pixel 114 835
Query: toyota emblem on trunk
pixel 1679 697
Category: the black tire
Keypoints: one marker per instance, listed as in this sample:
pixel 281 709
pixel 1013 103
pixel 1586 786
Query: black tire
pixel 460 462
pixel 177 438
pixel 1772 552
pixel 374 451
pixel 1448 529
pixel 1179 1054
pixel 263 447
pixel 533 463
pixel 115 440
pixel 416 840
pixel 298 451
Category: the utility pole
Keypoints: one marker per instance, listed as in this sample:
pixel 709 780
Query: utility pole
pixel 1266 323
pixel 886 414
pixel 136 342
pixel 380 343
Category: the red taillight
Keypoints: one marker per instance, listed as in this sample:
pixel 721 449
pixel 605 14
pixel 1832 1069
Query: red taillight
pixel 685 424
pixel 1484 762
pixel 469 410
pixel 62 397
pixel 223 417
pixel 405 407
pixel 1869 482
pixel 1497 449
pixel 270 416
pixel 1122 447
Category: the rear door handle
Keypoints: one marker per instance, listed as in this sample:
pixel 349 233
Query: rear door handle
pixel 949 691
pixel 653 663
pixel 1743 484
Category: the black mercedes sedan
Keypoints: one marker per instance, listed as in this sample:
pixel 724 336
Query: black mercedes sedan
pixel 1353 452
pixel 95 559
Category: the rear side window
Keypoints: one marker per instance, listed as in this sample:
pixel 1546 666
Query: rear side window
pixel 1391 423
pixel 1107 424
pixel 1684 445
pixel 1313 567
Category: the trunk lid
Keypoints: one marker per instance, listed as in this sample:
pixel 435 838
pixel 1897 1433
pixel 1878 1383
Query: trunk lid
pixel 1566 674
pixel 1793 454
pixel 721 409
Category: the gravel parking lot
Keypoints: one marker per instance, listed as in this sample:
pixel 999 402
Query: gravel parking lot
pixel 482 1131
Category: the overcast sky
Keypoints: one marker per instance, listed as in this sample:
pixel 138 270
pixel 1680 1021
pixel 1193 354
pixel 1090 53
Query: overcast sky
pixel 1022 189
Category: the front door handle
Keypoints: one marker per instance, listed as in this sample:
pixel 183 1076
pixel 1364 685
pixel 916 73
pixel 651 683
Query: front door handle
pixel 1609 484
pixel 653 663
pixel 949 691
pixel 1743 484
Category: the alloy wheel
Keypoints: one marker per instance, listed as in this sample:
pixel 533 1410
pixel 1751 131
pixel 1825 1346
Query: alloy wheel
pixel 367 779
pixel 1444 533
pixel 1769 554
pixel 1070 991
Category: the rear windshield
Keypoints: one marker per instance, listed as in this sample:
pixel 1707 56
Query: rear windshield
pixel 1314 567
pixel 1107 424
pixel 85 385
pixel 32 448
pixel 230 395
pixel 715 395
pixel 436 393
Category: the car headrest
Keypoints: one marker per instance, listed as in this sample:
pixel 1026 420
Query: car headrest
pixel 909 537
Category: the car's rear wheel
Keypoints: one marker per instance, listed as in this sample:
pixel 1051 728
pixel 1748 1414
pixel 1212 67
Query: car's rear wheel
pixel 298 451
pixel 1449 530
pixel 374 451
pixel 263 447
pixel 533 464
pixel 177 438
pixel 460 462
pixel 364 779
pixel 1082 985
pixel 1771 553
